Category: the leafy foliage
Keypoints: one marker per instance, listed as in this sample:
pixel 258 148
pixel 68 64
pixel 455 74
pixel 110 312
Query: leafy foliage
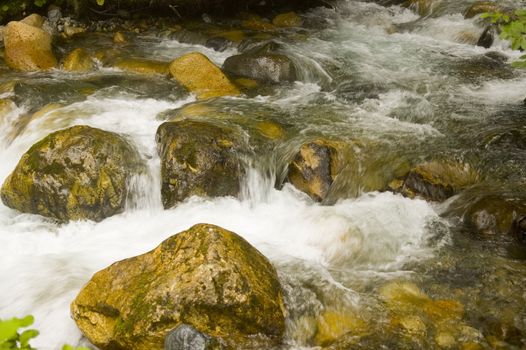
pixel 12 339
pixel 512 28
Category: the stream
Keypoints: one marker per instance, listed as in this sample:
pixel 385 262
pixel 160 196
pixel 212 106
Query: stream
pixel 402 88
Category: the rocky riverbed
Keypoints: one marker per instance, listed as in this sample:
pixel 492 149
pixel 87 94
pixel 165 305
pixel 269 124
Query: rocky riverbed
pixel 349 175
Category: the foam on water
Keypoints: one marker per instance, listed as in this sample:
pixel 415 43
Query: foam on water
pixel 44 265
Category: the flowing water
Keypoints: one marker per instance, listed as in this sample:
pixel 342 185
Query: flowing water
pixel 402 88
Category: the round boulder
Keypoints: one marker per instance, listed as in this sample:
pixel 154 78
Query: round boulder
pixel 73 174
pixel 263 64
pixel 28 48
pixel 198 158
pixel 206 277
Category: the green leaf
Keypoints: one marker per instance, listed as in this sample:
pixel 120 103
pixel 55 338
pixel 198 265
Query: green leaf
pixel 519 64
pixel 70 347
pixel 26 336
pixel 100 2
pixel 9 328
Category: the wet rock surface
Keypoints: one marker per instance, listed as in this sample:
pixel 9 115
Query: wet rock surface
pixel 200 76
pixel 263 64
pixel 73 174
pixel 198 158
pixel 205 277
pixel 28 48
pixel 314 168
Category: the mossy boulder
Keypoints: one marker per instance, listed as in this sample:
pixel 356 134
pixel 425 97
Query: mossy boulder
pixel 439 180
pixel 28 48
pixel 315 167
pixel 262 63
pixel 78 60
pixel 198 158
pixel 200 76
pixel 73 174
pixel 206 277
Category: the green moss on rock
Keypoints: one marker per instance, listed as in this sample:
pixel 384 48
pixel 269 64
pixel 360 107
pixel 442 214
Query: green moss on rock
pixel 206 277
pixel 198 158
pixel 73 174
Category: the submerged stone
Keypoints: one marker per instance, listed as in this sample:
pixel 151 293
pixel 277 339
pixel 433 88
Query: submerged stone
pixel 314 168
pixel 206 277
pixel 199 75
pixel 198 158
pixel 73 174
pixel 28 48
pixel 332 324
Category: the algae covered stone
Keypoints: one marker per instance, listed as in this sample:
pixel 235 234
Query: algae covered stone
pixel 315 167
pixel 28 48
pixel 73 174
pixel 206 277
pixel 198 158
pixel 200 76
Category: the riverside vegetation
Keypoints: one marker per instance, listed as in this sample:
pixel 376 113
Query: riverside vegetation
pixel 253 175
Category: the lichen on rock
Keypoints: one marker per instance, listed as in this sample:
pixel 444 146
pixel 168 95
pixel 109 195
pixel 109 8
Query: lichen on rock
pixel 73 174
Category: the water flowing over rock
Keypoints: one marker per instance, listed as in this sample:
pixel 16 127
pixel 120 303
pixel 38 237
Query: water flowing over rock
pixel 315 167
pixel 198 158
pixel 73 174
pixel 28 48
pixel 205 277
pixel 199 75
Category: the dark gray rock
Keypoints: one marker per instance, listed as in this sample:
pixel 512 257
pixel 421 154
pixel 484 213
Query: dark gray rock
pixel 487 37
pixel 186 337
pixel 263 63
